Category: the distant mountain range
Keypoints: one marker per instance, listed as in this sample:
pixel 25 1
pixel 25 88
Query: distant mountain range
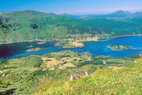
pixel 117 14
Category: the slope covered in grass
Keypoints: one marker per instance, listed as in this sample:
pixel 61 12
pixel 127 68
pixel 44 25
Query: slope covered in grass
pixel 111 81
pixel 25 74
pixel 31 25
pixel 29 74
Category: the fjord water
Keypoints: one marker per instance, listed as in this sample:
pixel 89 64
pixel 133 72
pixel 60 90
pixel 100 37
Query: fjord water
pixel 18 50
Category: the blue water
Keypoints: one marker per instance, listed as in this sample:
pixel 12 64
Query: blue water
pixel 18 50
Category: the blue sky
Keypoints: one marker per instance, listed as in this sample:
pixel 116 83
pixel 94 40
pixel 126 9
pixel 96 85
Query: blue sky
pixel 71 6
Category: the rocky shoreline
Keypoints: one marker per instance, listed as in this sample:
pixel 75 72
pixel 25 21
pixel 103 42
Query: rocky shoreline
pixel 126 36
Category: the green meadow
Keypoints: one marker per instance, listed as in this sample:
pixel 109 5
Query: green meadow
pixel 50 74
pixel 68 72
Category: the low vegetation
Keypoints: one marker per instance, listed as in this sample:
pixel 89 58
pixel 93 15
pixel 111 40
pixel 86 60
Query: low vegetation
pixel 31 25
pixel 50 74
pixel 41 73
pixel 119 48
pixel 111 81
pixel 76 42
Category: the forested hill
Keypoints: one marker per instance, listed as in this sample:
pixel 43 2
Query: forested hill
pixel 29 25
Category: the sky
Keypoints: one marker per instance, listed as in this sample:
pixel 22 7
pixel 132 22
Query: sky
pixel 71 6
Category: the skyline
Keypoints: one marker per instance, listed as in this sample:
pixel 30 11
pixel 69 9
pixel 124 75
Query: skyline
pixel 75 7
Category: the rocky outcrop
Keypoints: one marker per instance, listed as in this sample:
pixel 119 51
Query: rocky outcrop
pixel 76 77
pixel 8 92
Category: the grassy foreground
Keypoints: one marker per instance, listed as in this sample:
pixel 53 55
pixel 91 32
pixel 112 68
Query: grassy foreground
pixel 50 75
pixel 112 81
pixel 26 74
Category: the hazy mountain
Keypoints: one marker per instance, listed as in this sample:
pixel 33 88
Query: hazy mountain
pixel 120 13
pixel 117 14
pixel 138 13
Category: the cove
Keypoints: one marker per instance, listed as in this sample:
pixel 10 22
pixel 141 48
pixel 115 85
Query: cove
pixel 100 48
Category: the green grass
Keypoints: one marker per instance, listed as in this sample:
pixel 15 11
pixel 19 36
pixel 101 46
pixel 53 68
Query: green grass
pixel 22 74
pixel 26 73
pixel 31 25
pixel 29 75
pixel 113 81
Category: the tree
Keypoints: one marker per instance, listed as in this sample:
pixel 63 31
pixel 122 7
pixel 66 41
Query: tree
pixel 4 30
pixel 34 26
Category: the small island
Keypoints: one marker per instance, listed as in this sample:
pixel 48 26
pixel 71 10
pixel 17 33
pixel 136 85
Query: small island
pixel 119 47
pixel 35 49
pixel 75 42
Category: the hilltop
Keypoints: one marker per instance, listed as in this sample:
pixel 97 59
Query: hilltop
pixel 111 81
pixel 53 74
pixel 43 74
pixel 30 25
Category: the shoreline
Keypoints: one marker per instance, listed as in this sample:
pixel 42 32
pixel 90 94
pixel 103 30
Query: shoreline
pixel 24 41
pixel 97 40
pixel 126 36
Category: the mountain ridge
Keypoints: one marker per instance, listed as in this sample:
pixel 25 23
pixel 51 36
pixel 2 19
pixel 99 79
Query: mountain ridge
pixel 31 25
pixel 118 12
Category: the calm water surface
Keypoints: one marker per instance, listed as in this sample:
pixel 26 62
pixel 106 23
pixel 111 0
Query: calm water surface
pixel 18 50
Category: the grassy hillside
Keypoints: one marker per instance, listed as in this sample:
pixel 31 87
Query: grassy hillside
pixel 50 74
pixel 29 25
pixel 46 73
pixel 112 81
